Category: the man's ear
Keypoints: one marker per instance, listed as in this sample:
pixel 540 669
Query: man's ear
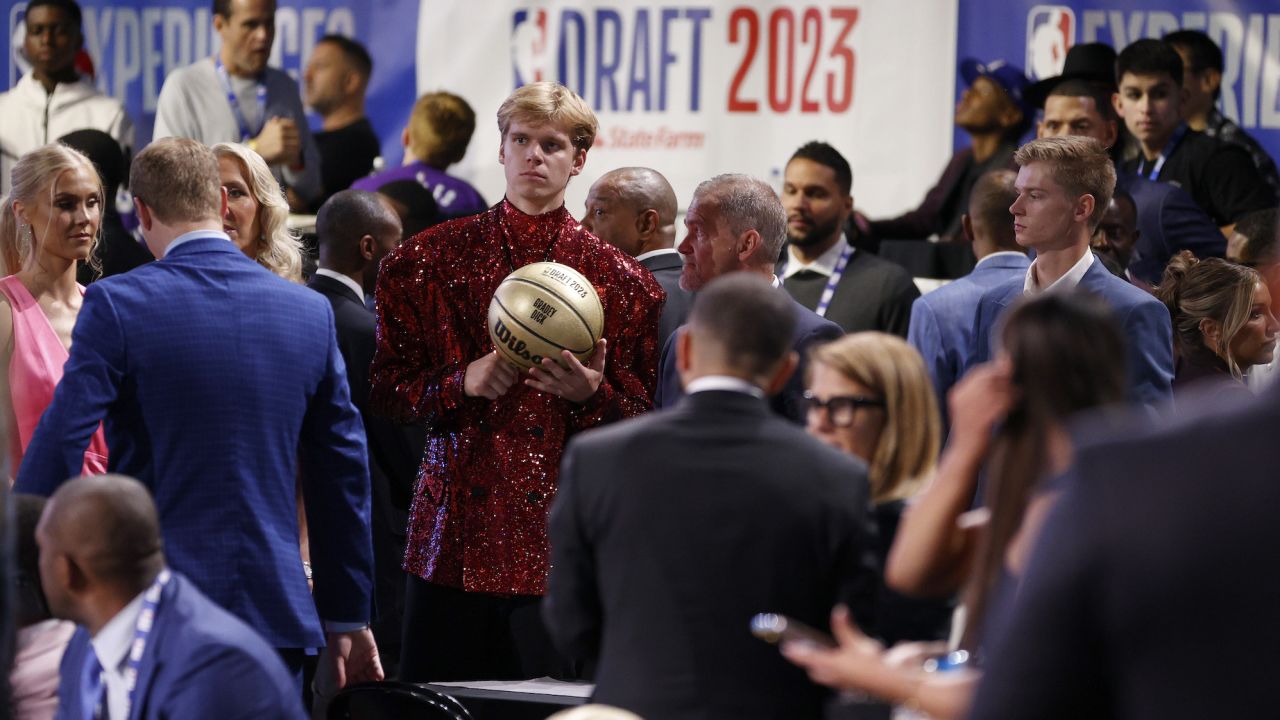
pixel 579 161
pixel 144 212
pixel 647 222
pixel 1084 207
pixel 684 353
pixel 366 246
pixel 1117 104
pixel 749 244
pixel 404 139
pixel 966 225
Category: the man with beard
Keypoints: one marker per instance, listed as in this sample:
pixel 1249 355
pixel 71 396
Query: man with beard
pixel 822 271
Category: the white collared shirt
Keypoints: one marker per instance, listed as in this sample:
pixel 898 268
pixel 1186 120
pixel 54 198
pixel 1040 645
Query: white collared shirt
pixel 326 272
pixel 654 253
pixel 194 235
pixel 723 382
pixel 111 645
pixel 1068 281
pixel 824 264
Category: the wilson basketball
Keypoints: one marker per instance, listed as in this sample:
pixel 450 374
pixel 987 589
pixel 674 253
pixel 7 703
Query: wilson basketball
pixel 542 308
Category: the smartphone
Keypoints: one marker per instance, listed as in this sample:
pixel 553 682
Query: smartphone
pixel 775 628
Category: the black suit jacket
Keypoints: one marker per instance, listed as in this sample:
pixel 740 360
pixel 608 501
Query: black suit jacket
pixel 666 269
pixel 873 294
pixel 1152 593
pixel 394 451
pixel 789 402
pixel 671 530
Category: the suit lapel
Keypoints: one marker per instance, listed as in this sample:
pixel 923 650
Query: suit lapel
pixel 665 261
pixel 329 286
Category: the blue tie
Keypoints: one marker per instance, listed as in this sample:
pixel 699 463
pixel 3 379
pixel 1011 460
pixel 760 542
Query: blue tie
pixel 92 690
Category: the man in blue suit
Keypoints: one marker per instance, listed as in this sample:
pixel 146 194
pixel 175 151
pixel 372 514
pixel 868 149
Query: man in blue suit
pixel 942 322
pixel 102 566
pixel 1064 185
pixel 736 222
pixel 215 380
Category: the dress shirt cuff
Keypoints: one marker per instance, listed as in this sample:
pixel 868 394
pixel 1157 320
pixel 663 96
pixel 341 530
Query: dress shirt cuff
pixel 343 627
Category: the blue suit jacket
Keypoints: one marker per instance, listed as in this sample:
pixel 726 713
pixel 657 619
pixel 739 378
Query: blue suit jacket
pixel 942 322
pixel 199 662
pixel 811 329
pixel 1168 221
pixel 213 378
pixel 1144 322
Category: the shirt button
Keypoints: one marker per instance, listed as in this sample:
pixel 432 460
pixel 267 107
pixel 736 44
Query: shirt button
pixel 536 431
pixel 535 496
pixel 478 492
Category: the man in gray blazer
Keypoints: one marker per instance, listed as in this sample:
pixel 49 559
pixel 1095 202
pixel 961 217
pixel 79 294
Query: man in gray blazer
pixel 671 530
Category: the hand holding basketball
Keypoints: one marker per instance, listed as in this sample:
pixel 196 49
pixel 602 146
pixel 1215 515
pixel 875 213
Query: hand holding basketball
pixel 489 377
pixel 569 378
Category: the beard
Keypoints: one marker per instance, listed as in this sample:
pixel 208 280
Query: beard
pixel 817 233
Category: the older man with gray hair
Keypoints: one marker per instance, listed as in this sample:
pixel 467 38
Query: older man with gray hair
pixel 634 210
pixel 736 222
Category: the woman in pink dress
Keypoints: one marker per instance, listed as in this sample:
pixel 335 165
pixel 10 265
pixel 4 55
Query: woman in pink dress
pixel 49 221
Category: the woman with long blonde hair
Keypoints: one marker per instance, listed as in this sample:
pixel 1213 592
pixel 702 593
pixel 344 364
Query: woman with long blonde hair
pixel 49 221
pixel 257 218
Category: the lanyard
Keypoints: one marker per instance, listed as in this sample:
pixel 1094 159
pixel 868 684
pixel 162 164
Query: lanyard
pixel 1169 147
pixel 830 290
pixel 146 618
pixel 261 93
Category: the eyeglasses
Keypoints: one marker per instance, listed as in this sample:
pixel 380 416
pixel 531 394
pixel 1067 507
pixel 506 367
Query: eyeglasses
pixel 841 408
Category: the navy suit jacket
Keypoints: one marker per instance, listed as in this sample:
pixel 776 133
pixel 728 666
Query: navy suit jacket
pixel 200 662
pixel 1143 320
pixel 213 379
pixel 1147 595
pixel 1168 221
pixel 666 269
pixel 811 329
pixel 942 321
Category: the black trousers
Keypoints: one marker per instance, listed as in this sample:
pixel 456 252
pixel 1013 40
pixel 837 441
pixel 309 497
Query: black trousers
pixel 452 635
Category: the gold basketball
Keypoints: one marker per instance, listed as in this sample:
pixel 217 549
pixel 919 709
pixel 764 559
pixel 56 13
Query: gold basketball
pixel 541 309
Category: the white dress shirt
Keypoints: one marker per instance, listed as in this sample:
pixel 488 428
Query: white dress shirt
pixel 326 272
pixel 824 264
pixel 111 645
pixel 723 382
pixel 654 253
pixel 1068 281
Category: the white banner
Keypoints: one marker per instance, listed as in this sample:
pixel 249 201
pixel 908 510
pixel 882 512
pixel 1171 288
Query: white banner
pixel 693 91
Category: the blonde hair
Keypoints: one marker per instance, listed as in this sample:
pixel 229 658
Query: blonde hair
pixel 440 128
pixel 278 250
pixel 1079 164
pixel 177 178
pixel 34 175
pixel 550 103
pixel 907 451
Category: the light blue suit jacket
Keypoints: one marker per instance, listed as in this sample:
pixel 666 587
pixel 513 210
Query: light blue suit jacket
pixel 214 378
pixel 942 321
pixel 1144 322
pixel 199 662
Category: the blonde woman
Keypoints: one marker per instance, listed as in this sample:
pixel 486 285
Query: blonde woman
pixel 257 212
pixel 49 221
pixel 870 396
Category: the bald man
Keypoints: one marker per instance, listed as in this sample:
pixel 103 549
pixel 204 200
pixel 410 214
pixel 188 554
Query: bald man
pixel 102 566
pixel 634 210
pixel 356 229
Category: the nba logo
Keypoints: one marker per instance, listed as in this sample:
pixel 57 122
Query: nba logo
pixel 529 56
pixel 1051 30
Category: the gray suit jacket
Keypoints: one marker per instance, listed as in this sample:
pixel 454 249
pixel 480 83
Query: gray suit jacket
pixel 666 270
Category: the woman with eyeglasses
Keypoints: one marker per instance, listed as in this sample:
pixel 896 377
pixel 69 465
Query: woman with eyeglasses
pixel 1222 321
pixel 1060 354
pixel 870 396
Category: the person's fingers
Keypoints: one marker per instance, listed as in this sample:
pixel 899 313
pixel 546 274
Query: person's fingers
pixel 842 626
pixel 339 670
pixel 598 357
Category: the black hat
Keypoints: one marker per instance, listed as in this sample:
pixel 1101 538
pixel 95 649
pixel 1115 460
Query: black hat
pixel 1095 62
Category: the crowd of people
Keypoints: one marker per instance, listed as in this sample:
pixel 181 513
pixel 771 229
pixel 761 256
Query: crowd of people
pixel 288 467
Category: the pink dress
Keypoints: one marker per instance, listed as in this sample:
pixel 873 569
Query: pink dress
pixel 34 371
